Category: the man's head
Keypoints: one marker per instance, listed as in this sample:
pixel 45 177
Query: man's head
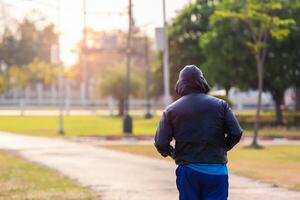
pixel 191 80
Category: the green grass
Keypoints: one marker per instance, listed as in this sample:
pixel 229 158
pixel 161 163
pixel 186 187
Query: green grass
pixel 276 132
pixel 20 180
pixel 75 125
pixel 105 126
pixel 279 165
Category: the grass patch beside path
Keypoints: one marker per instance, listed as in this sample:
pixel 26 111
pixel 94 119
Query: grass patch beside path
pixel 105 126
pixel 20 179
pixel 75 125
pixel 279 165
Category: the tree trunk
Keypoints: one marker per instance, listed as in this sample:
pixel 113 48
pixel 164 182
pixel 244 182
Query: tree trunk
pixel 297 105
pixel 227 91
pixel 278 97
pixel 258 106
pixel 121 107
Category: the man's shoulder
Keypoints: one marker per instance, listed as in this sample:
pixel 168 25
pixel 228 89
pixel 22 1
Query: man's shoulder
pixel 177 103
pixel 216 100
pixel 193 100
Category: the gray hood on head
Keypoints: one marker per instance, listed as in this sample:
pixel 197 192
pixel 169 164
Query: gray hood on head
pixel 191 80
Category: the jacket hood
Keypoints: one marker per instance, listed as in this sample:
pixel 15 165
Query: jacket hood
pixel 191 80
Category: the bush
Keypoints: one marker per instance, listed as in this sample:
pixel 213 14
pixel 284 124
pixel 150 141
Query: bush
pixel 268 118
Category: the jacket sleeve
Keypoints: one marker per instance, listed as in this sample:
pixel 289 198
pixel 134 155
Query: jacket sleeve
pixel 164 136
pixel 232 128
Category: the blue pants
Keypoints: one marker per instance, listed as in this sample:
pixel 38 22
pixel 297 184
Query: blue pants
pixel 194 185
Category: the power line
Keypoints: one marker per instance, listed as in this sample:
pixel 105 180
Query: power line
pixel 127 120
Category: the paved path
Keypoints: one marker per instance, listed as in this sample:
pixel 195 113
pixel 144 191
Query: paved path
pixel 148 140
pixel 120 176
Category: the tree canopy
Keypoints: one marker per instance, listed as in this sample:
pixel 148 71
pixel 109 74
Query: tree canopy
pixel 262 22
pixel 184 32
pixel 27 43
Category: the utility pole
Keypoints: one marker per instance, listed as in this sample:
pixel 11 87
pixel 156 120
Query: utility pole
pixel 166 68
pixel 83 54
pixel 147 74
pixel 60 75
pixel 127 121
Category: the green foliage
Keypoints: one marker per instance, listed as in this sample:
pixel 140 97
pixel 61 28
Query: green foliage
pixel 26 53
pixel 228 59
pixel 184 33
pixel 28 43
pixel 18 77
pixel 284 55
pixel 2 83
pixel 156 76
pixel 42 72
pixel 250 32
pixel 113 83
pixel 36 72
pixel 259 17
pixel 282 62
pixel 8 48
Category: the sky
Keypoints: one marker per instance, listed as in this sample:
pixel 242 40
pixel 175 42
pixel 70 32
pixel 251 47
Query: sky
pixel 102 15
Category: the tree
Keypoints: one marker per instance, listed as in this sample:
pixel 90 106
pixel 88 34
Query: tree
pixel 103 44
pixel 34 42
pixel 2 84
pixel 295 39
pixel 282 61
pixel 40 71
pixel 113 84
pixel 228 60
pixel 297 105
pixel 99 46
pixel 184 32
pixel 29 42
pixel 8 48
pixel 261 22
pixel 20 48
pixel 156 89
pixel 18 77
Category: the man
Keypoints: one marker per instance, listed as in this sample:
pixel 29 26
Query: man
pixel 204 129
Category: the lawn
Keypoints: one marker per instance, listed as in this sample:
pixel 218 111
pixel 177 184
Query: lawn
pixel 20 179
pixel 279 165
pixel 75 125
pixel 105 126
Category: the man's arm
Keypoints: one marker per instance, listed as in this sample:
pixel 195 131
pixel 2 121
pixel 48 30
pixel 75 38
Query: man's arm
pixel 163 137
pixel 232 128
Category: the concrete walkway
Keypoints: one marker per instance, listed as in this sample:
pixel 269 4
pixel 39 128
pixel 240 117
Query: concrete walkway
pixel 148 140
pixel 121 176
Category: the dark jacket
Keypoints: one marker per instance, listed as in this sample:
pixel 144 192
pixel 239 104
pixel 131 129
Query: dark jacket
pixel 204 127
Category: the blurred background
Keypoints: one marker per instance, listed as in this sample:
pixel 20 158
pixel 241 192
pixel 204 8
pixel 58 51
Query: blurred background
pixel 92 40
pixel 120 57
pixel 102 72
